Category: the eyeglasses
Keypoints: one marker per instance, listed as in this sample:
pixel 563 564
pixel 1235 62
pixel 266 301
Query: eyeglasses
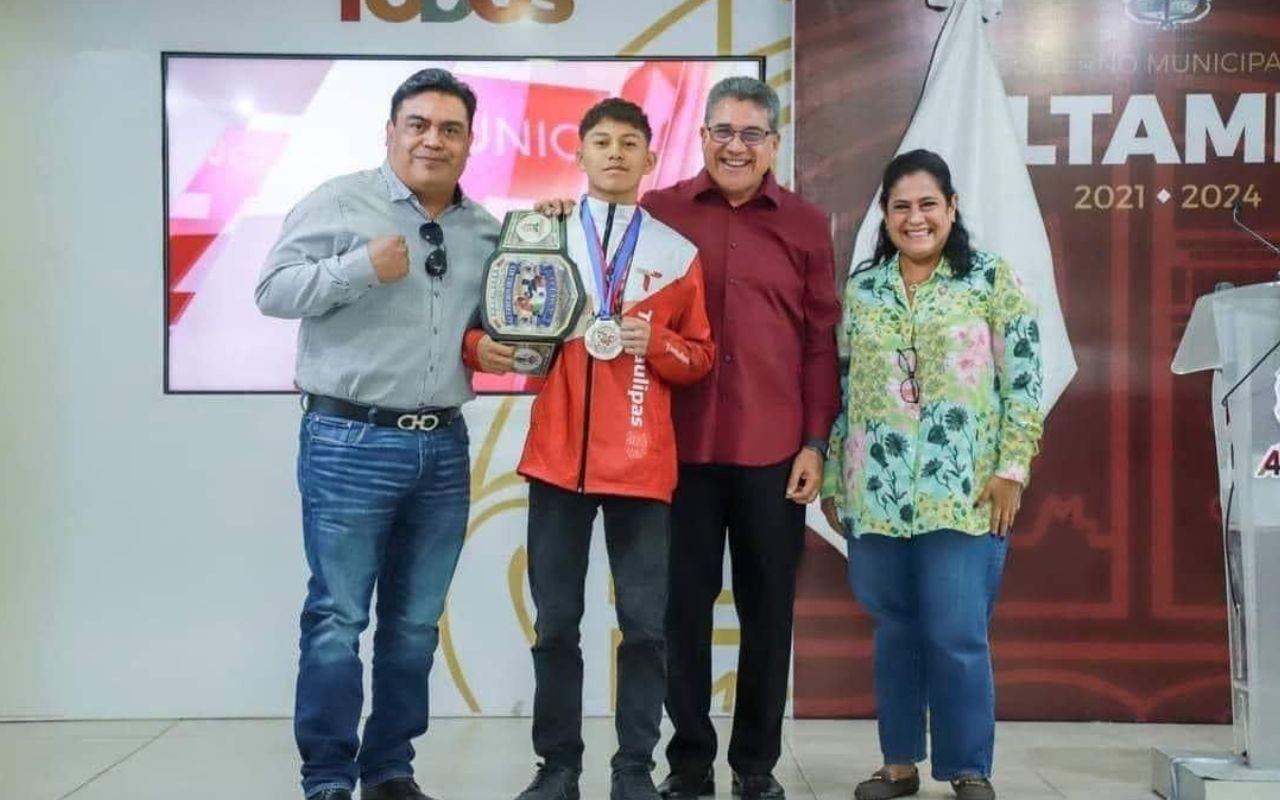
pixel 438 260
pixel 751 137
pixel 909 389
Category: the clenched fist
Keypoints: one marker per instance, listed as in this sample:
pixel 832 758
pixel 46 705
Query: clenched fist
pixel 390 258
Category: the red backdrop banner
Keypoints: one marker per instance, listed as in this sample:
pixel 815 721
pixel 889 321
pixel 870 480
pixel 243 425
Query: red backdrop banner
pixel 1141 136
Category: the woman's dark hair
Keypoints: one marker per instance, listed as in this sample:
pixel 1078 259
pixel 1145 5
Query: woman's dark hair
pixel 957 249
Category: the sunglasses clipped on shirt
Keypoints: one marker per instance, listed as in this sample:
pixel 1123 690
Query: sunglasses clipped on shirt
pixel 438 260
pixel 751 137
pixel 909 389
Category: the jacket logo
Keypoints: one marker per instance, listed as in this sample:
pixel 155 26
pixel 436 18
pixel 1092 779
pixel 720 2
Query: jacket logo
pixel 649 275
pixel 637 393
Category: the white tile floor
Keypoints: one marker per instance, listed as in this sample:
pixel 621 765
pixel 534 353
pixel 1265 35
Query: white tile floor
pixel 490 759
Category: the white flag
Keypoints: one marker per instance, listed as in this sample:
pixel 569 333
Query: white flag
pixel 964 117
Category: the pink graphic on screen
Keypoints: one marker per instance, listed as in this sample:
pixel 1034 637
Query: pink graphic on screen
pixel 248 137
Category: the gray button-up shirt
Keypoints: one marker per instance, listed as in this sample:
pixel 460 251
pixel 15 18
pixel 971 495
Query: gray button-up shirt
pixel 395 345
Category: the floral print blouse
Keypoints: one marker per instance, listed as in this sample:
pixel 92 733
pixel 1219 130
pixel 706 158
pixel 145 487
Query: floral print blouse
pixel 939 395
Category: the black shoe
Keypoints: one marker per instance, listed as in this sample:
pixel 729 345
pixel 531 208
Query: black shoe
pixel 552 783
pixel 972 787
pixel 881 787
pixel 686 786
pixel 758 787
pixel 632 783
pixel 394 789
pixel 331 794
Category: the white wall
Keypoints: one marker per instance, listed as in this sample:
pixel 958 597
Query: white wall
pixel 150 558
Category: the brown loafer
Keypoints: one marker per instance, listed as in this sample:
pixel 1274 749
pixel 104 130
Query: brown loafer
pixel 881 787
pixel 972 787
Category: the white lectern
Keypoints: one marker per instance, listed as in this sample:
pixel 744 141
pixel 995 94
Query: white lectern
pixel 1236 333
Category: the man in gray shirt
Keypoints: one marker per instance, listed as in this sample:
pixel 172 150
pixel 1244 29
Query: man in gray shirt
pixel 384 269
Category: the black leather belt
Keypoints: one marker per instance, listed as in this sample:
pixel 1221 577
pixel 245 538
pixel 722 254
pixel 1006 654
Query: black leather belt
pixel 422 419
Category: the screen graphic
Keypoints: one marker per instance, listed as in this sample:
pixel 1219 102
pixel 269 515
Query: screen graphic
pixel 246 137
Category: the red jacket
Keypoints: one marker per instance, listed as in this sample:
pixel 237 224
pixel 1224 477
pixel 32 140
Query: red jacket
pixel 604 427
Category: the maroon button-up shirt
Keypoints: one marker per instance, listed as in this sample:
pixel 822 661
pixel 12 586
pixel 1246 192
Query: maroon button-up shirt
pixel 771 298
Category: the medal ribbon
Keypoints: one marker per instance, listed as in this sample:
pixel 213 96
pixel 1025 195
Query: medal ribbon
pixel 619 267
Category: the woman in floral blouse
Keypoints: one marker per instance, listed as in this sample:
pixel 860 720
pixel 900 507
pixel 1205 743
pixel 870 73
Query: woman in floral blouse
pixel 927 463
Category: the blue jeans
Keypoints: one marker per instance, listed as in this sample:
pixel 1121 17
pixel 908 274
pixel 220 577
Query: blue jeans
pixel 383 507
pixel 931 599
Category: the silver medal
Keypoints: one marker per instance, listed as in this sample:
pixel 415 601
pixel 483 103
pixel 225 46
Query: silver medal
pixel 604 339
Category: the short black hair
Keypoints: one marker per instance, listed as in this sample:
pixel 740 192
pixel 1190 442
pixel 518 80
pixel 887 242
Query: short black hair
pixel 618 110
pixel 434 80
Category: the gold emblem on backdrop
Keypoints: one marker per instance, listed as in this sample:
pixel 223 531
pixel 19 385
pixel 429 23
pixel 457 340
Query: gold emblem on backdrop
pixel 1167 13
pixel 724 686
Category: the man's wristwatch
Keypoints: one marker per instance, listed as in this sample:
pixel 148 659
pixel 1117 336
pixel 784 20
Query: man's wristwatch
pixel 817 444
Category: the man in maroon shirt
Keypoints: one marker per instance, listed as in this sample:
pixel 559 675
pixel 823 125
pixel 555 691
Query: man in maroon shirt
pixel 751 437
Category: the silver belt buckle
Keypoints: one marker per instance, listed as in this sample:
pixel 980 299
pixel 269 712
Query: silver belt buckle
pixel 418 422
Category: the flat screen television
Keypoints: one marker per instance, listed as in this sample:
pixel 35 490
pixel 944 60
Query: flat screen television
pixel 246 136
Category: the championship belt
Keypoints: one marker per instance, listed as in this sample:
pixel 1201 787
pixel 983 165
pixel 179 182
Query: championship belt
pixel 532 293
